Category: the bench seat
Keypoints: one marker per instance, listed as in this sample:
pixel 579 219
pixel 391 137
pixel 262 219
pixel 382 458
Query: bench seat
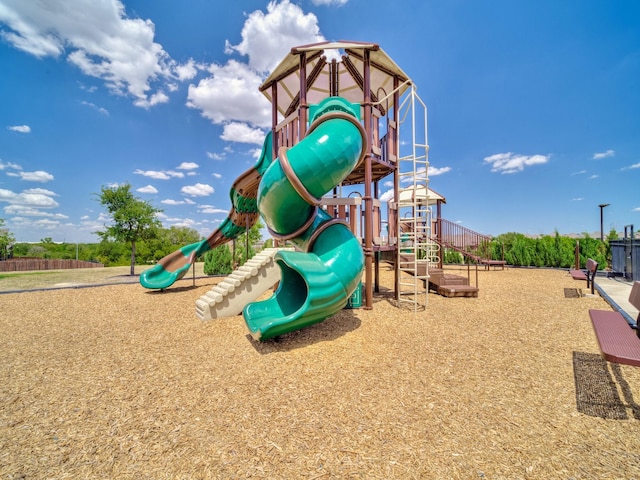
pixel 589 275
pixel 493 263
pixel 578 274
pixel 618 342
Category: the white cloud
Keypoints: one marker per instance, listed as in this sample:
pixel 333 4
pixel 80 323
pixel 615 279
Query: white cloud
pixel 635 165
pixel 103 111
pixel 216 156
pixel 592 177
pixel 386 196
pixel 216 175
pixel 147 189
pixel 155 99
pixel 25 210
pixel 210 209
pixel 44 224
pixel 243 133
pixel 37 176
pixel 187 166
pixel 99 38
pixel 601 155
pixel 186 71
pixel 169 201
pixel 434 171
pixel 512 163
pixel 197 190
pixel 41 191
pixel 183 222
pixel 267 38
pixel 159 175
pixel 15 170
pixel 20 128
pixel 13 166
pixel 34 198
pixel 231 93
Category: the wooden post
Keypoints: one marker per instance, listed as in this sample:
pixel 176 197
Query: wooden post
pixel 368 203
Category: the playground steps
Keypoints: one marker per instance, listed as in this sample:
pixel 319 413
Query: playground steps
pixel 242 286
pixel 449 285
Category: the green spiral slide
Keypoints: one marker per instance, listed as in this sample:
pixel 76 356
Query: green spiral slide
pixel 317 280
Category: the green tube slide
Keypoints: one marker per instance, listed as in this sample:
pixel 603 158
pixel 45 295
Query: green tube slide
pixel 243 215
pixel 317 281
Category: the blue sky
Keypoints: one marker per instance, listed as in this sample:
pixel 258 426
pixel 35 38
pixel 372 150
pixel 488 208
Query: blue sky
pixel 534 106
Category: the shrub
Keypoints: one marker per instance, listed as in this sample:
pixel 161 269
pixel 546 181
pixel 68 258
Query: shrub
pixel 218 261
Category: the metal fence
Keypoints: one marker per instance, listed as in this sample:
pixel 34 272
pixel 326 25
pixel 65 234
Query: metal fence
pixel 625 258
pixel 27 264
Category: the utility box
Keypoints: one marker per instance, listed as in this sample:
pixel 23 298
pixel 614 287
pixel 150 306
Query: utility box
pixel 355 300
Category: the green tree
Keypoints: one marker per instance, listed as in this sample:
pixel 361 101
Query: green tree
pixel 595 249
pixel 112 253
pixel 37 251
pixel 20 249
pixel 132 219
pixel 521 250
pixel 221 261
pixel 218 261
pixel 613 235
pixel 6 240
pixel 167 241
pixel 241 255
pixel 452 257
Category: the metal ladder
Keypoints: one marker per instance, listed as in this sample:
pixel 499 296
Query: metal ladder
pixel 415 247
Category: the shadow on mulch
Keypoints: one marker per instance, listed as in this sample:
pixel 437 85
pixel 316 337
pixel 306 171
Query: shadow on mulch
pixel 596 391
pixel 326 331
pixel 184 288
pixel 572 292
pixel 162 291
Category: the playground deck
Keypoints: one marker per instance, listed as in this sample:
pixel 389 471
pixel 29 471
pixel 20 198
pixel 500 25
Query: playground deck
pixel 121 382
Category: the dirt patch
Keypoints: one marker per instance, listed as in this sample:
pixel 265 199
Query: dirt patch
pixel 121 382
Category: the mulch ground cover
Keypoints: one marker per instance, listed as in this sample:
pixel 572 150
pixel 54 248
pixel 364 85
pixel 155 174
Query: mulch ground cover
pixel 121 382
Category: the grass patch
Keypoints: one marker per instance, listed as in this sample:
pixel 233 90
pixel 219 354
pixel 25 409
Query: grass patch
pixel 36 279
pixel 22 274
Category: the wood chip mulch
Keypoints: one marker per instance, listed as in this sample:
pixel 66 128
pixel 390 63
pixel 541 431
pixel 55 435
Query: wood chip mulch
pixel 121 382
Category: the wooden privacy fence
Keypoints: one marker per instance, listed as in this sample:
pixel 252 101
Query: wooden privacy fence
pixel 26 264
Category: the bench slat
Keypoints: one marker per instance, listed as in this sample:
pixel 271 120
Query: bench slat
pixel 617 341
pixel 578 274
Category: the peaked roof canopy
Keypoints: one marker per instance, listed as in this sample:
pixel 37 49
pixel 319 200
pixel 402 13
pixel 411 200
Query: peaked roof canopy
pixel 334 68
pixel 420 195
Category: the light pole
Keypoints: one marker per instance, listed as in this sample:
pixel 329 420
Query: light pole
pixel 602 205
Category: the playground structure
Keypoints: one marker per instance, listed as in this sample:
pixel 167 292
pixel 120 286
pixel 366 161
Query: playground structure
pixel 346 120
pixel 394 120
pixel 244 285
